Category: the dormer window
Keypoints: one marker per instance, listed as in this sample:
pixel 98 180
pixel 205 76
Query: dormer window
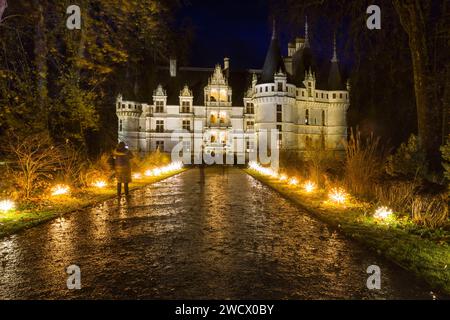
pixel 159 106
pixel 280 86
pixel 185 107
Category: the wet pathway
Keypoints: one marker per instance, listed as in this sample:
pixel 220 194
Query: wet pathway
pixel 220 236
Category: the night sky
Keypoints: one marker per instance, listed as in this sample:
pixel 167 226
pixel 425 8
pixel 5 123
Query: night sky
pixel 240 30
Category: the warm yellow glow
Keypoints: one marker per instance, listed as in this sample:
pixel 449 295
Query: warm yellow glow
pixel 7 205
pixel 60 189
pixel 293 182
pixel 283 177
pixel 100 184
pixel 264 171
pixel 309 186
pixel 338 195
pixel 148 173
pixel 174 166
pixel 382 213
pixel 137 175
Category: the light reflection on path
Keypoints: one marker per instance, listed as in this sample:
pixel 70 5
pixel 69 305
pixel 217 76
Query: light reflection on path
pixel 228 237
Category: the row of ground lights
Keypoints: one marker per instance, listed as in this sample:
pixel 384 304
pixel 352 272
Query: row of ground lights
pixel 61 189
pixel 336 195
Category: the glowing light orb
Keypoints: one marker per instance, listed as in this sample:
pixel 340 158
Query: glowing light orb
pixel 7 205
pixel 293 182
pixel 100 184
pixel 338 195
pixel 137 175
pixel 309 186
pixel 283 177
pixel 148 173
pixel 60 190
pixel 382 213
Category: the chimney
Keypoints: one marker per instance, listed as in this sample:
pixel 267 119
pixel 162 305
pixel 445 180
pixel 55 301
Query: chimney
pixel 226 66
pixel 173 67
pixel 226 63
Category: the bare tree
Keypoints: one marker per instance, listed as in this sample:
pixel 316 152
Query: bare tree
pixel 34 158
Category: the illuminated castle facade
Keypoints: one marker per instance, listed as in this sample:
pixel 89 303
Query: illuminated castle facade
pixel 308 107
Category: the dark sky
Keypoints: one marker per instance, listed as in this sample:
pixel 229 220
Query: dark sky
pixel 237 29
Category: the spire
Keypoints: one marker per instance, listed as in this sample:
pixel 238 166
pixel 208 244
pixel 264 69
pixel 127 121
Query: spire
pixel 334 59
pixel 306 32
pixel 273 62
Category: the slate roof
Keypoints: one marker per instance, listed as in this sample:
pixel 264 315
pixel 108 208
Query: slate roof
pixel 197 80
pixel 273 62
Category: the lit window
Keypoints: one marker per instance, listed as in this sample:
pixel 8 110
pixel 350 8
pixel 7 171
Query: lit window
pixel 307 117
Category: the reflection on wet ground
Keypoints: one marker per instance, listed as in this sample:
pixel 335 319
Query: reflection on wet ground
pixel 220 236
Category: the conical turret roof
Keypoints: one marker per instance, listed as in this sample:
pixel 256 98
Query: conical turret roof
pixel 274 61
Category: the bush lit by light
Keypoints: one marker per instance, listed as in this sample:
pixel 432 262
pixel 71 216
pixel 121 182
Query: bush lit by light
pixel 100 184
pixel 60 189
pixel 7 205
pixel 382 213
pixel 309 186
pixel 148 173
pixel 338 195
pixel 293 182
pixel 283 177
pixel 137 176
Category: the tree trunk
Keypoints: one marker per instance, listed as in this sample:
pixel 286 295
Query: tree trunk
pixel 429 114
pixel 40 59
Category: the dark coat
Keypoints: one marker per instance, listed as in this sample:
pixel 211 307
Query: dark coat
pixel 122 165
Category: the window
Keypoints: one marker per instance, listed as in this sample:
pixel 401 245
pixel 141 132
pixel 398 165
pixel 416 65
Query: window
pixel 250 108
pixel 273 88
pixel 310 92
pixel 159 125
pixel 280 132
pixel 307 117
pixel 120 125
pixel 280 86
pixel 334 95
pixel 249 145
pixel 187 125
pixel 160 145
pixel 185 107
pixel 279 113
pixel 303 93
pixel 159 106
pixel 213 118
pixel 267 89
pixel 340 95
pixel 323 117
pixel 250 125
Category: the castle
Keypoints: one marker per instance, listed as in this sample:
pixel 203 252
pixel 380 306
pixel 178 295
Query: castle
pixel 290 94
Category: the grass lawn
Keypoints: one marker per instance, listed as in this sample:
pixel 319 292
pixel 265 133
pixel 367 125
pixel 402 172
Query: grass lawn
pixel 27 217
pixel 424 252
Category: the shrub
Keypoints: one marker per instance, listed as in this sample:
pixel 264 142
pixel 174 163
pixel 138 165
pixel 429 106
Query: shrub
pixel 319 164
pixel 408 161
pixel 98 170
pixel 430 211
pixel 150 160
pixel 34 161
pixel 364 163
